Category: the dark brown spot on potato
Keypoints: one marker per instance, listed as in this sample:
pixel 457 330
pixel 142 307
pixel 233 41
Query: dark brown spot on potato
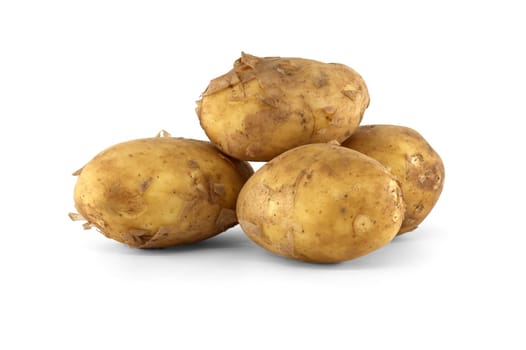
pixel 121 200
pixel 419 207
pixel 320 82
pixel 146 183
pixel 192 164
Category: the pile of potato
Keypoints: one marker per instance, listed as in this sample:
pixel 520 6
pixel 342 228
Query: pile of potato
pixel 331 190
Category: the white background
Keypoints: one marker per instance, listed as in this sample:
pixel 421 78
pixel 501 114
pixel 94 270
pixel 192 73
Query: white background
pixel 79 76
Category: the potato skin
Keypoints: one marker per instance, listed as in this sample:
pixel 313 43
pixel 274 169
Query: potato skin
pixel 409 157
pixel 160 192
pixel 321 203
pixel 267 105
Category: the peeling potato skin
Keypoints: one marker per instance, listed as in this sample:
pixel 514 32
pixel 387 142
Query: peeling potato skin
pixel 267 105
pixel 321 203
pixel 160 192
pixel 410 158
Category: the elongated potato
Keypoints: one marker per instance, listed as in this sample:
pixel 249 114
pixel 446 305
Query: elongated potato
pixel 411 159
pixel 267 105
pixel 160 192
pixel 321 203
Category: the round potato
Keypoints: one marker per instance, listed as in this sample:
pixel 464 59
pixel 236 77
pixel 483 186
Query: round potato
pixel 409 157
pixel 160 192
pixel 267 105
pixel 321 203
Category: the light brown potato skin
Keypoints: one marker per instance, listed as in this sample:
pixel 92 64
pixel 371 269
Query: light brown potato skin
pixel 267 105
pixel 409 157
pixel 160 192
pixel 321 203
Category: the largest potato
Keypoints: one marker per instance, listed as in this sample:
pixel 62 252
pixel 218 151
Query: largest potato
pixel 160 192
pixel 321 203
pixel 267 105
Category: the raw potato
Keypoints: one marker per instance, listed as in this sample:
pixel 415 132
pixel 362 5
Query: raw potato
pixel 321 203
pixel 265 106
pixel 160 192
pixel 411 159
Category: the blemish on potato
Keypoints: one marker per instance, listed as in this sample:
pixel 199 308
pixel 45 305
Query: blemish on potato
pixel 251 228
pixel 286 68
pixel 123 201
pixel 145 184
pixel 428 178
pixel 321 81
pixel 136 237
pixel 272 102
pixel 226 218
pixel 286 245
pixel 416 159
pixel 394 190
pixel 438 179
pixel 192 164
pixel 350 94
pixel 219 189
pixel 329 109
pixel 362 224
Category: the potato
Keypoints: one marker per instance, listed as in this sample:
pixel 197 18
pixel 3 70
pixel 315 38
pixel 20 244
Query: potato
pixel 160 192
pixel 265 106
pixel 411 159
pixel 321 203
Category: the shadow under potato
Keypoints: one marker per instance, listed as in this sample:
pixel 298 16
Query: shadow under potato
pixel 402 251
pixel 231 239
pixel 405 250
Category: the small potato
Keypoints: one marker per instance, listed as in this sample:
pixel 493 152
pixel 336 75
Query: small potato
pixel 411 159
pixel 267 105
pixel 160 192
pixel 321 203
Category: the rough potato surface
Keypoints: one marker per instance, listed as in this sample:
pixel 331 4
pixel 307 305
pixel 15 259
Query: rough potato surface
pixel 321 203
pixel 409 157
pixel 160 192
pixel 267 105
